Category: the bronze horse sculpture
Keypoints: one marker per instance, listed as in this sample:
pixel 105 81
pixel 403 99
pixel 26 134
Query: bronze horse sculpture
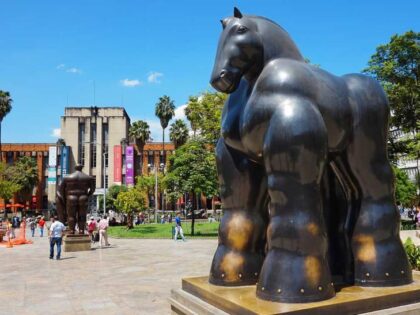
pixel 306 186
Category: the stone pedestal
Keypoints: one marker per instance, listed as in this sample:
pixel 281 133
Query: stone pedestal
pixel 197 296
pixel 76 243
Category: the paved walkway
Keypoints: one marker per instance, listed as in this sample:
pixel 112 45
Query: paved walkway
pixel 130 277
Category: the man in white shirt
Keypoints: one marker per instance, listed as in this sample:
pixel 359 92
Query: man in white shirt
pixel 56 236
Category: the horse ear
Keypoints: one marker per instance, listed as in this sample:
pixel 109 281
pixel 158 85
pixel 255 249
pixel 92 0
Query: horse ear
pixel 224 22
pixel 237 13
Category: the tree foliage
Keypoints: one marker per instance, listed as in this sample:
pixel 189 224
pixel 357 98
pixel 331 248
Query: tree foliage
pixel 192 169
pixel 396 65
pixel 111 196
pixel 130 201
pixel 23 173
pixel 178 133
pixel 140 132
pixel 5 104
pixel 204 113
pixel 165 110
pixel 405 190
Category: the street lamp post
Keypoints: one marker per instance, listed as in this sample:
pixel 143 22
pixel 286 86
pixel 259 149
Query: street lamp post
pixel 155 170
pixel 104 173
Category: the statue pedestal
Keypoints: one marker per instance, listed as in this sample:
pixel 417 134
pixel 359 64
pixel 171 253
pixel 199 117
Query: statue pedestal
pixel 197 296
pixel 76 243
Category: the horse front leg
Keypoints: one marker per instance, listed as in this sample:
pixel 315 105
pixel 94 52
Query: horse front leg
pixel 240 253
pixel 295 269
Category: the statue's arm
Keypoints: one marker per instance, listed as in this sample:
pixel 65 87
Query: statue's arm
pixel 92 186
pixel 60 201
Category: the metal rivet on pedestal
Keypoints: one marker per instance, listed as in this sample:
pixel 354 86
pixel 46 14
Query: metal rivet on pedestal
pixel 387 274
pixel 256 273
pixel 279 290
pixel 260 154
pixel 240 275
pixel 262 289
pixel 320 288
pixel 223 275
pixel 402 272
pixel 332 283
pixel 302 291
pixel 367 274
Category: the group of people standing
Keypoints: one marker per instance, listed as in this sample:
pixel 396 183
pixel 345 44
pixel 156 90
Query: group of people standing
pixel 98 230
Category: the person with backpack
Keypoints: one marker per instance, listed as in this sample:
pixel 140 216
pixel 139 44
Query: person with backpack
pixel 32 226
pixel 41 224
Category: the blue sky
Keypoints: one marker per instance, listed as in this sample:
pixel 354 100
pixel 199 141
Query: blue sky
pixel 54 52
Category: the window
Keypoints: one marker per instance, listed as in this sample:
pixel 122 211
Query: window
pixel 105 138
pixel 93 145
pixel 82 152
pixel 150 159
pixel 162 157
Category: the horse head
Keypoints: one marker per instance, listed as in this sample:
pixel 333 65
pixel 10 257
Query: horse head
pixel 239 51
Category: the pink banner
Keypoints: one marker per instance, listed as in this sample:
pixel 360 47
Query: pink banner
pixel 117 164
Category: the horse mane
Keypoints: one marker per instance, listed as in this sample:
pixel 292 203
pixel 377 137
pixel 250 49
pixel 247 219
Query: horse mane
pixel 287 47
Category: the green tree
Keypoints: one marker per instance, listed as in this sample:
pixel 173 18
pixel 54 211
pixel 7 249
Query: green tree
pixel 192 169
pixel 140 132
pixel 204 113
pixel 24 173
pixel 178 133
pixel 165 110
pixel 111 196
pixel 5 108
pixel 130 201
pixel 405 190
pixel 7 187
pixel 396 65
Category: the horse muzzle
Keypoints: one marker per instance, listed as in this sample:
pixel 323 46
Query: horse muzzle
pixel 225 81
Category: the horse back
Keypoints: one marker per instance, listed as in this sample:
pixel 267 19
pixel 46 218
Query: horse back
pixel 327 92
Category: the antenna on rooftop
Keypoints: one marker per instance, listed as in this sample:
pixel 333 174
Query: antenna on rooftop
pixel 94 93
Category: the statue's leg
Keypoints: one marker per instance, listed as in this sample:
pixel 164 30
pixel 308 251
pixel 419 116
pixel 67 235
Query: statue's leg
pixel 295 152
pixel 241 248
pixel 83 204
pixel 379 256
pixel 71 207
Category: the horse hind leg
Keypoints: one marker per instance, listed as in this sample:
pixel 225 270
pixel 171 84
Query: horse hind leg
pixel 379 256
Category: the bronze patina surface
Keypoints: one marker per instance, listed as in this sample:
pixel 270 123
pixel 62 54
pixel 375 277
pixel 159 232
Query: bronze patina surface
pixel 306 186
pixel 348 300
pixel 72 199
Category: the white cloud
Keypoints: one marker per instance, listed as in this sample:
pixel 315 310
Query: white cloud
pixel 56 133
pixel 131 83
pixel 74 70
pixel 63 67
pixel 153 77
pixel 180 112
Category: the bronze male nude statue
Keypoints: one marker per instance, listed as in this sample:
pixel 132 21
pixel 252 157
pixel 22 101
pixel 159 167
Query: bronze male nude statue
pixel 72 199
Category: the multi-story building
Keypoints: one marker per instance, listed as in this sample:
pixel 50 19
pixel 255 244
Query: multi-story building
pixel 97 138
pixel 38 197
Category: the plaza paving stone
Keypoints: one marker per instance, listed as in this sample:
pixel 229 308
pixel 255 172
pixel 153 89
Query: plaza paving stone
pixel 130 277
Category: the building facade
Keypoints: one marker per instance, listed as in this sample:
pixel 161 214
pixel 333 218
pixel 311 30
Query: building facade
pixel 97 138
pixel 38 198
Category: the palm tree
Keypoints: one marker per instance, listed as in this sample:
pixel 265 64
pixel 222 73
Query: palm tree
pixel 5 108
pixel 140 132
pixel 178 133
pixel 165 110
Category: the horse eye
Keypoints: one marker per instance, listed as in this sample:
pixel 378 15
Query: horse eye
pixel 242 29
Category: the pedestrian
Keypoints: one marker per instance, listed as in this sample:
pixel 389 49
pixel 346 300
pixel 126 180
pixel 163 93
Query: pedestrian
pixel 56 236
pixel 178 228
pixel 32 226
pixel 91 229
pixel 41 224
pixel 103 234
